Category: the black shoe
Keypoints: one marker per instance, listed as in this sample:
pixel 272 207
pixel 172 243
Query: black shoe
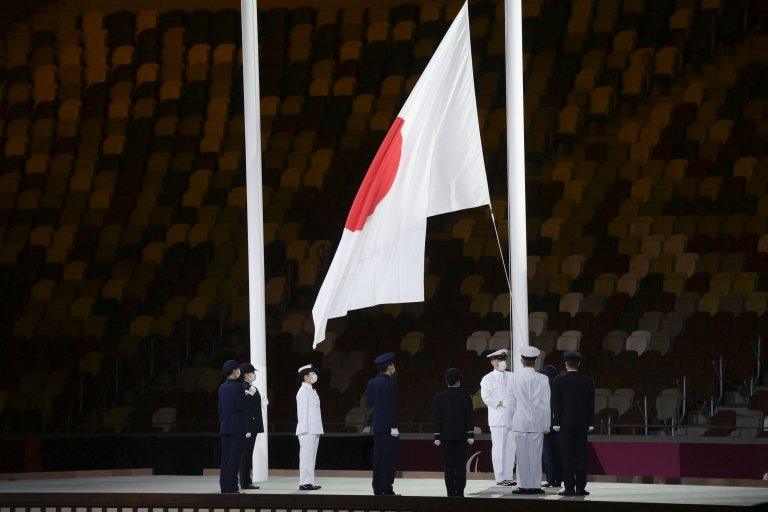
pixel 566 493
pixel 503 482
pixel 309 487
pixel 536 491
pixel 249 486
pixel 509 483
pixel 582 493
pixel 520 491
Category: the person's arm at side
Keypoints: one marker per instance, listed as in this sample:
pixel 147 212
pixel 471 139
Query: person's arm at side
pixel 487 394
pixel 557 403
pixel 302 411
pixel 469 419
pixel 544 405
pixel 511 399
pixel 394 406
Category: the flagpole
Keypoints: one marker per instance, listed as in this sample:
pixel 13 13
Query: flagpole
pixel 255 221
pixel 518 260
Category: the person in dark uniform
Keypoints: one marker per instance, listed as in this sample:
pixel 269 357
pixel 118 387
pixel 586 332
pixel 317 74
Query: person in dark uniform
pixel 454 430
pixel 551 454
pixel 234 426
pixel 382 397
pixel 573 407
pixel 255 423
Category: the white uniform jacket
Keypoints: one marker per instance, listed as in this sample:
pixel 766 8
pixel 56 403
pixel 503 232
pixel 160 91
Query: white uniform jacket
pixel 494 388
pixel 308 414
pixel 530 391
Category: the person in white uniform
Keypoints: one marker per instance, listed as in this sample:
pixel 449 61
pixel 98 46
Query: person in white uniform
pixel 309 427
pixel 530 396
pixel 496 391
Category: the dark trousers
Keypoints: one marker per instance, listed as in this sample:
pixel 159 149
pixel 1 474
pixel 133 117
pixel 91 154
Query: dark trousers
pixel 231 451
pixel 246 461
pixel 551 454
pixel 573 449
pixel 455 466
pixel 385 451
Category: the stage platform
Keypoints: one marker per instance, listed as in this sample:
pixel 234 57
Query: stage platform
pixel 195 493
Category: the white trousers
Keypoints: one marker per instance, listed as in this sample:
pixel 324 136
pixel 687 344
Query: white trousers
pixel 503 453
pixel 307 455
pixel 529 446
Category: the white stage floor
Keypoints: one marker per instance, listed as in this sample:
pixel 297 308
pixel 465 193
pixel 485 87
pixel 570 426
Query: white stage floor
pixel 601 491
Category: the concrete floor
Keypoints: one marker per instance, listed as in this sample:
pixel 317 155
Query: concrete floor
pixel 601 491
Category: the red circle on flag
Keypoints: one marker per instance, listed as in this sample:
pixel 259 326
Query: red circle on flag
pixel 379 178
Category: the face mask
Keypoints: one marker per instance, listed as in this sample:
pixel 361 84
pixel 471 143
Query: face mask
pixel 502 366
pixel 250 377
pixel 312 378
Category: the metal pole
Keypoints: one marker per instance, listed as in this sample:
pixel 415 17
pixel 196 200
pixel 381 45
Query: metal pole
pixel 721 378
pixel 518 258
pixel 684 413
pixel 255 220
pixel 645 413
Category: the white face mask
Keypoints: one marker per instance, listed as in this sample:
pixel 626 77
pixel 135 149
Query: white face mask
pixel 250 377
pixel 312 378
pixel 502 366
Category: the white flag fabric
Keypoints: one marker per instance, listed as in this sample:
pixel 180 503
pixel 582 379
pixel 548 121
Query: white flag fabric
pixel 430 162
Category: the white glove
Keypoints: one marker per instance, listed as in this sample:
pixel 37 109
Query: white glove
pixel 437 442
pixel 248 435
pixel 591 429
pixel 265 400
pixel 556 428
pixel 470 441
pixel 394 432
pixel 546 430
pixel 251 390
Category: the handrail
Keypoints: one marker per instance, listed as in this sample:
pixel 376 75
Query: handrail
pixel 607 427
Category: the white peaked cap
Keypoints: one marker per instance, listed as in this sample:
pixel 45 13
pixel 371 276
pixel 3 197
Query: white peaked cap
pixel 529 352
pixel 305 367
pixel 501 352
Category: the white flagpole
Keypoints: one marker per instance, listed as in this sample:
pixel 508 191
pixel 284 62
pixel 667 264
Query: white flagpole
pixel 258 334
pixel 518 260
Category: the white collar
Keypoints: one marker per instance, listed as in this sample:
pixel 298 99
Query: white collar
pixel 306 384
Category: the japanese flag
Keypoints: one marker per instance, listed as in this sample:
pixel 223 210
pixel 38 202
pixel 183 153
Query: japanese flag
pixel 430 162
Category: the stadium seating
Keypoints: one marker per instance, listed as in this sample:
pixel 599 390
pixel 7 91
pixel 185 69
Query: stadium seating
pixel 123 255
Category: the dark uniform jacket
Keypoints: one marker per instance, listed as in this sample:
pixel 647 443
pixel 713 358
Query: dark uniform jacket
pixel 253 411
pixel 382 397
pixel 454 417
pixel 573 401
pixel 232 408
